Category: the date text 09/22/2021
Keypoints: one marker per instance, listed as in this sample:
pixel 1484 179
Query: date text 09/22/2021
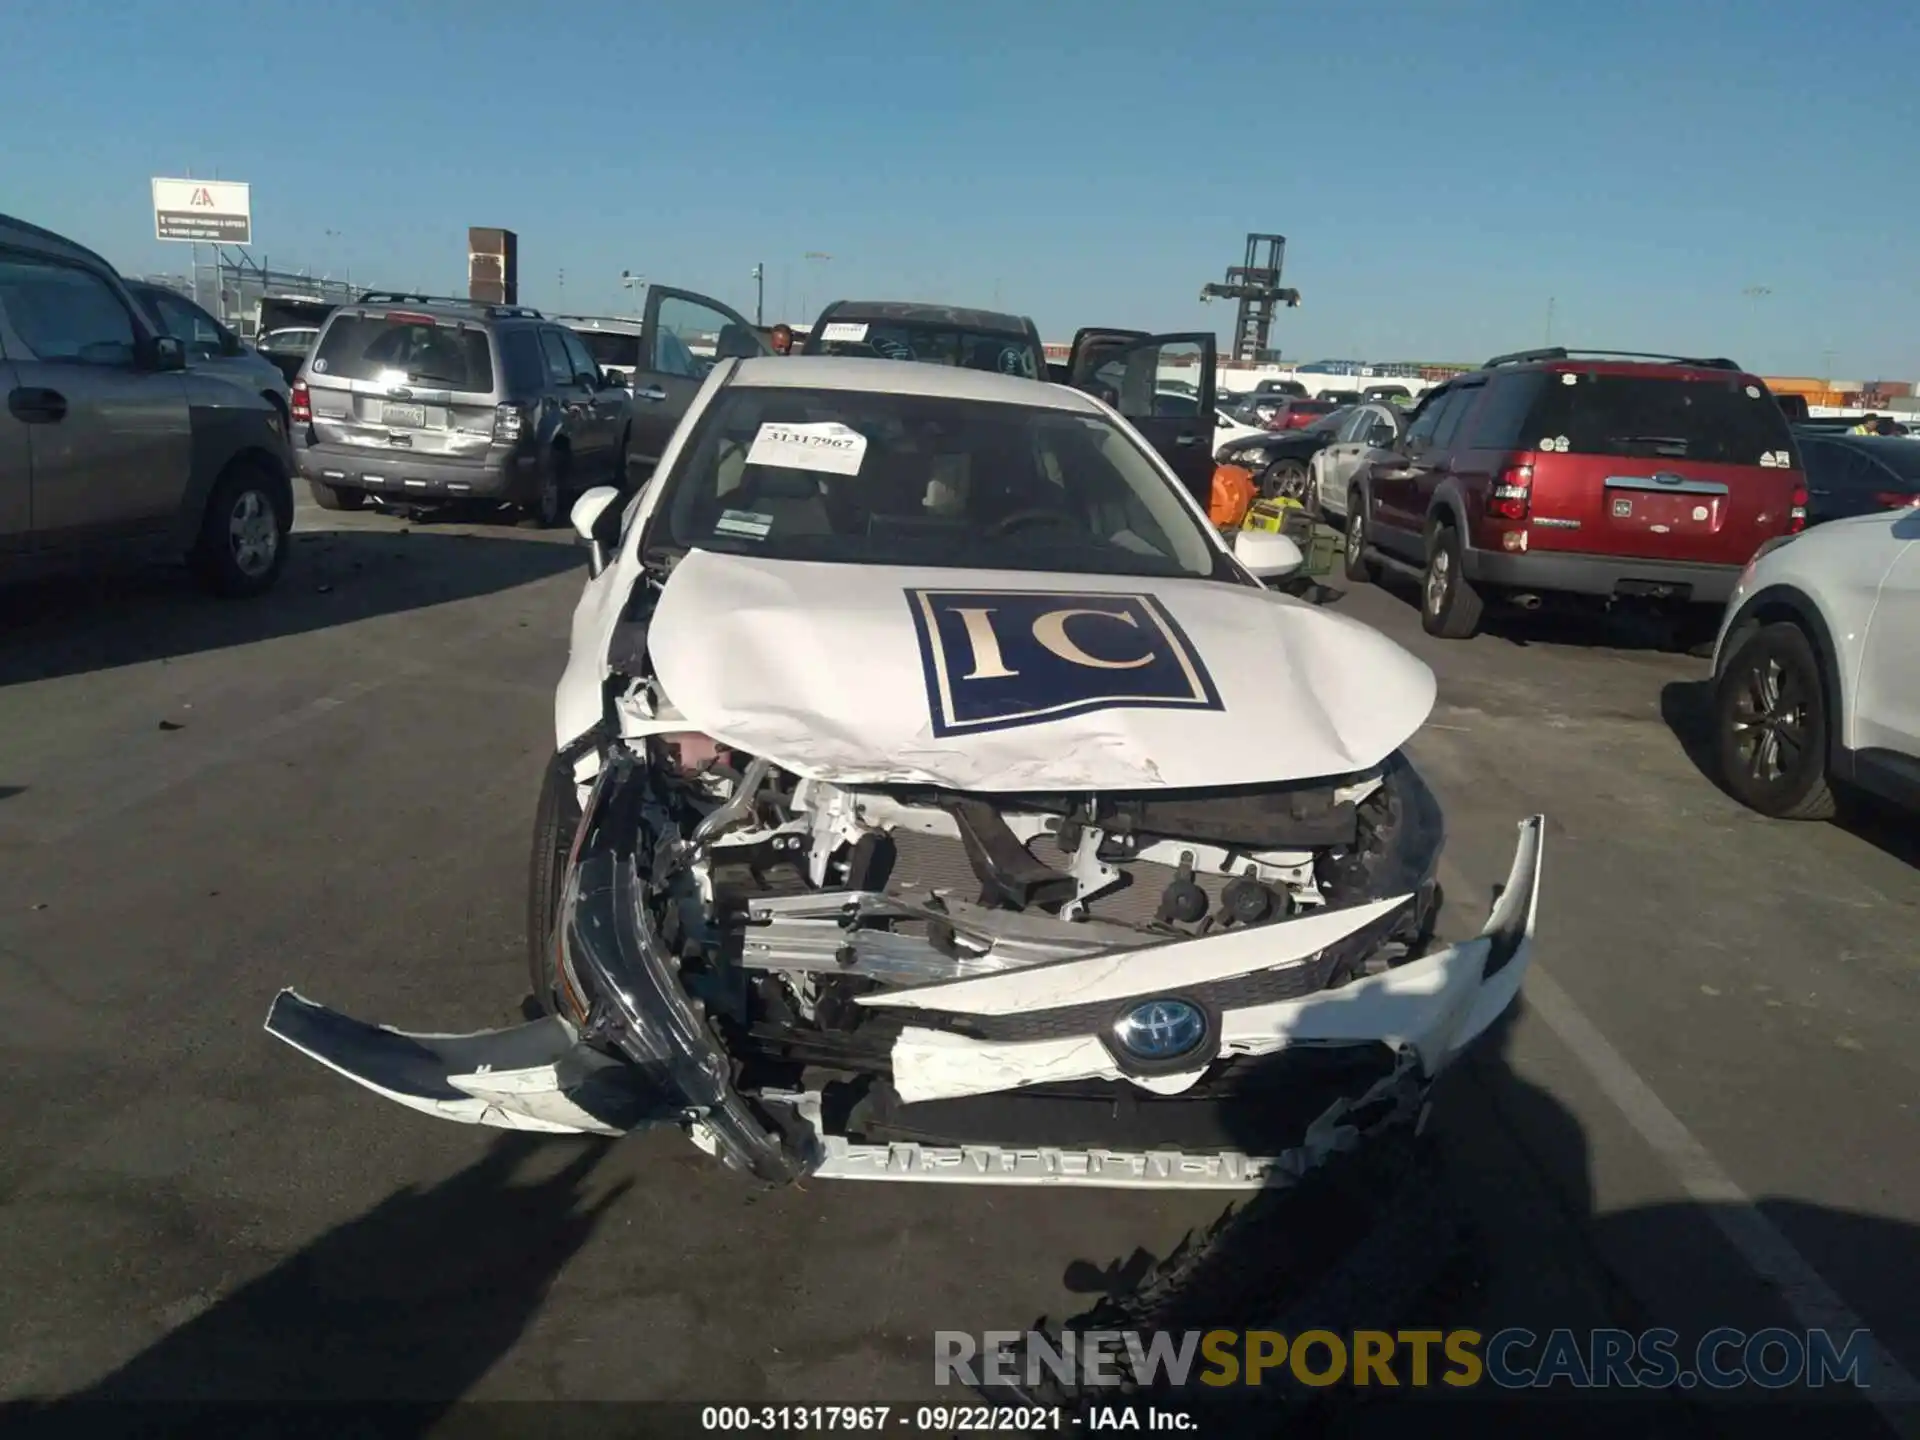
pixel 937 1419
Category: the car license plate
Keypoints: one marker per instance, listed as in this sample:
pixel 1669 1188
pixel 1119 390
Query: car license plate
pixel 414 415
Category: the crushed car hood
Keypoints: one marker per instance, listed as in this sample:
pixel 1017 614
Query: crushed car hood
pixel 1018 680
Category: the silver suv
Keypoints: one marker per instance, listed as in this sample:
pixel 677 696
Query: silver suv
pixel 109 447
pixel 420 401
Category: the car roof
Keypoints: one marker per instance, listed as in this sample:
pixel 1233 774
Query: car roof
pixel 24 235
pixel 909 311
pixel 611 324
pixel 1561 359
pixel 899 377
pixel 449 305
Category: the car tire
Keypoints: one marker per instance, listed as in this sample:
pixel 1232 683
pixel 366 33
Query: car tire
pixel 1284 479
pixel 336 497
pixel 548 508
pixel 242 545
pixel 1771 689
pixel 1449 605
pixel 555 818
pixel 1356 562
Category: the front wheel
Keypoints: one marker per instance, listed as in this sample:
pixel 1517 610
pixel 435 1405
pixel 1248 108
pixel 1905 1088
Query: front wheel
pixel 1284 480
pixel 1770 726
pixel 555 818
pixel 242 545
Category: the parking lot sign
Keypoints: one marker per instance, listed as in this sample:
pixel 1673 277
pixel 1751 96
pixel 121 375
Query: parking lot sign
pixel 203 210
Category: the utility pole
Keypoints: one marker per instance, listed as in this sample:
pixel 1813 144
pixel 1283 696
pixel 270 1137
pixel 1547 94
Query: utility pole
pixel 1550 319
pixel 759 294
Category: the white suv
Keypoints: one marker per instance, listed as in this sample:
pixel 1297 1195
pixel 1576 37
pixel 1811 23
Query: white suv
pixel 1817 669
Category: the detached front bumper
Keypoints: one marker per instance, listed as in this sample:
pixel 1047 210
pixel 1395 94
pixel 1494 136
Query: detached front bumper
pixel 639 1051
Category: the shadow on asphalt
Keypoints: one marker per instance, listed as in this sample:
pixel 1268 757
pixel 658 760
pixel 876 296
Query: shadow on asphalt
pixel 1485 1220
pixel 75 625
pixel 1564 627
pixel 1687 707
pixel 406 1306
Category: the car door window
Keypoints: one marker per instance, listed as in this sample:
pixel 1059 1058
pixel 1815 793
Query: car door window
pixel 582 362
pixel 1460 404
pixel 1353 431
pixel 1421 432
pixel 559 363
pixel 686 333
pixel 1497 424
pixel 198 331
pixel 65 313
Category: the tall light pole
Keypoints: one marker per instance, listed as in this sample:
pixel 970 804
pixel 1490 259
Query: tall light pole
pixel 807 289
pixel 631 282
pixel 759 294
pixel 1550 319
pixel 1757 293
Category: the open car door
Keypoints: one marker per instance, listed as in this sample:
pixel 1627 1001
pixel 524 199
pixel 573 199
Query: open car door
pixel 683 335
pixel 1126 367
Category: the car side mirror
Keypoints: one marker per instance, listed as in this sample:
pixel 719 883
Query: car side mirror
pixel 167 353
pixel 1381 437
pixel 596 519
pixel 1267 554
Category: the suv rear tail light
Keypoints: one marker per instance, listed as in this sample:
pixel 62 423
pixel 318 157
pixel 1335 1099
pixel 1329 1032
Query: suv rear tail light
pixel 1511 493
pixel 1894 500
pixel 300 403
pixel 1797 513
pixel 508 421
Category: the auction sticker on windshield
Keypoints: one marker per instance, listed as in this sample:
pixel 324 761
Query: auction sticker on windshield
pixel 745 523
pixel 826 446
pixel 844 330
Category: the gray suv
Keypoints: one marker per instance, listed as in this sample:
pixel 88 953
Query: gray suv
pixel 110 447
pixel 419 401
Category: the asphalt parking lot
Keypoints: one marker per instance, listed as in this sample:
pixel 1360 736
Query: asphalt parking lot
pixel 1714 1073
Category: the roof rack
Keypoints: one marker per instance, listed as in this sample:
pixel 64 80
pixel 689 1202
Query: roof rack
pixel 409 297
pixel 1561 352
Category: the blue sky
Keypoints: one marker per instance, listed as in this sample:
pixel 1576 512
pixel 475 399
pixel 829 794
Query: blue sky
pixel 1442 170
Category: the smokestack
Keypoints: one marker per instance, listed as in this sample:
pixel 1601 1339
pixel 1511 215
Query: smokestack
pixel 493 266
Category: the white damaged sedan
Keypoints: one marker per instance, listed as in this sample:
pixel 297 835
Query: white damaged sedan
pixel 937 796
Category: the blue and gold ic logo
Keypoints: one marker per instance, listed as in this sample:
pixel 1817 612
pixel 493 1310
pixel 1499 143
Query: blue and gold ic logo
pixel 994 659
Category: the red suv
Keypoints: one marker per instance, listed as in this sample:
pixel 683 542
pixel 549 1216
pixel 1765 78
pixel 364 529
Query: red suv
pixel 1604 474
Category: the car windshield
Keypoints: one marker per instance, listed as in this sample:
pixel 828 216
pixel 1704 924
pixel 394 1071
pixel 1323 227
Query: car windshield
pixel 929 343
pixel 883 479
pixel 288 341
pixel 405 349
pixel 1730 421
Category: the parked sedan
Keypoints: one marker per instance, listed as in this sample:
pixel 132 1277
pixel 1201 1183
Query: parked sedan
pixel 1222 972
pixel 1362 434
pixel 1858 474
pixel 1292 414
pixel 1280 459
